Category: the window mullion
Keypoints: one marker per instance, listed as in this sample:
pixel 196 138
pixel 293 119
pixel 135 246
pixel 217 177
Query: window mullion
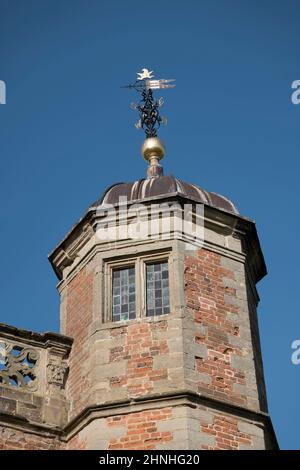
pixel 140 288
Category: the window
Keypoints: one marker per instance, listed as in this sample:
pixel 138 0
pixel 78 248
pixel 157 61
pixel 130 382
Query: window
pixel 137 288
pixel 123 285
pixel 157 286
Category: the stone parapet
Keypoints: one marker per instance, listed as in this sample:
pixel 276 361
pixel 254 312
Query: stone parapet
pixel 33 374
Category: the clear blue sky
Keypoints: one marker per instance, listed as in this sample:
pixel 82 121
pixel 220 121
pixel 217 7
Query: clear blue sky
pixel 67 132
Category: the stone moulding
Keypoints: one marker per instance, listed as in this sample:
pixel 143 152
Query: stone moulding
pixel 66 252
pixel 182 397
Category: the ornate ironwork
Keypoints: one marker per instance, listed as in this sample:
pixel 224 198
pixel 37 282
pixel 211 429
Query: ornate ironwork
pixel 148 107
pixel 18 366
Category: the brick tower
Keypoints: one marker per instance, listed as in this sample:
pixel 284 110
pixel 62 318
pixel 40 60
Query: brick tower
pixel 166 350
pixel 159 345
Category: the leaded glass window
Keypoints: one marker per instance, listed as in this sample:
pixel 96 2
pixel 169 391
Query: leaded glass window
pixel 123 298
pixel 157 286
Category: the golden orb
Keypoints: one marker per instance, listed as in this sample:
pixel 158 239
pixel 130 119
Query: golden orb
pixel 153 149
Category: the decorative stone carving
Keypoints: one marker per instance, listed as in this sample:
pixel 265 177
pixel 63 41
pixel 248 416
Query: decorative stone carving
pixel 18 366
pixel 56 373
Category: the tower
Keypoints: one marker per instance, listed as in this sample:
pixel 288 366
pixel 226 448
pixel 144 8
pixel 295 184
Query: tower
pixel 159 344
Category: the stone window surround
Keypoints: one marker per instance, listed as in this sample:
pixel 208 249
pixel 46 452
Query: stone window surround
pixel 139 262
pixel 99 256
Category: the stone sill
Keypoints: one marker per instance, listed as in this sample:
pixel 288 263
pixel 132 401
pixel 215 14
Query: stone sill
pixel 135 321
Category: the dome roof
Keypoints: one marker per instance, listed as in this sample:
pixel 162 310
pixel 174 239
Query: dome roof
pixel 163 186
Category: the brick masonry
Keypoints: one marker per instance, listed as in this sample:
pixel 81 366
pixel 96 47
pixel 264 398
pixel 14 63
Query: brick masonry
pixel 127 431
pixel 180 427
pixel 79 319
pixel 207 348
pixel 220 327
pixel 192 379
pixel 137 359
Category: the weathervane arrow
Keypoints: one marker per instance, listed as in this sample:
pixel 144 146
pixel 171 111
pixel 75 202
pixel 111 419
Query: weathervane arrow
pixel 150 119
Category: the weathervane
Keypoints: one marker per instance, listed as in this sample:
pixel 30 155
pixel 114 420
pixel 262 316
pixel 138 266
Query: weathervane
pixel 150 119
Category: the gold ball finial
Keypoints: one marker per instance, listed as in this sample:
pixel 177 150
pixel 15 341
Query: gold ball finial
pixel 153 150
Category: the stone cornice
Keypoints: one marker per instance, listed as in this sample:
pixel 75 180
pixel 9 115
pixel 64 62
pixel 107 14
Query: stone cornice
pixel 23 424
pixel 42 340
pixel 183 397
pixel 216 219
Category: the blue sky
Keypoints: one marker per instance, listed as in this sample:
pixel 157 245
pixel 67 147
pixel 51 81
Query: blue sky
pixel 66 133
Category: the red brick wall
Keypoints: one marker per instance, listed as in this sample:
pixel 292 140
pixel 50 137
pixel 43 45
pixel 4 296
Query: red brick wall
pixel 141 430
pixel 226 434
pixel 152 429
pixel 75 443
pixel 79 319
pixel 205 293
pixel 129 431
pixel 139 349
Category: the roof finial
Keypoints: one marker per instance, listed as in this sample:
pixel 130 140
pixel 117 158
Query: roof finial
pixel 150 120
pixel 153 150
